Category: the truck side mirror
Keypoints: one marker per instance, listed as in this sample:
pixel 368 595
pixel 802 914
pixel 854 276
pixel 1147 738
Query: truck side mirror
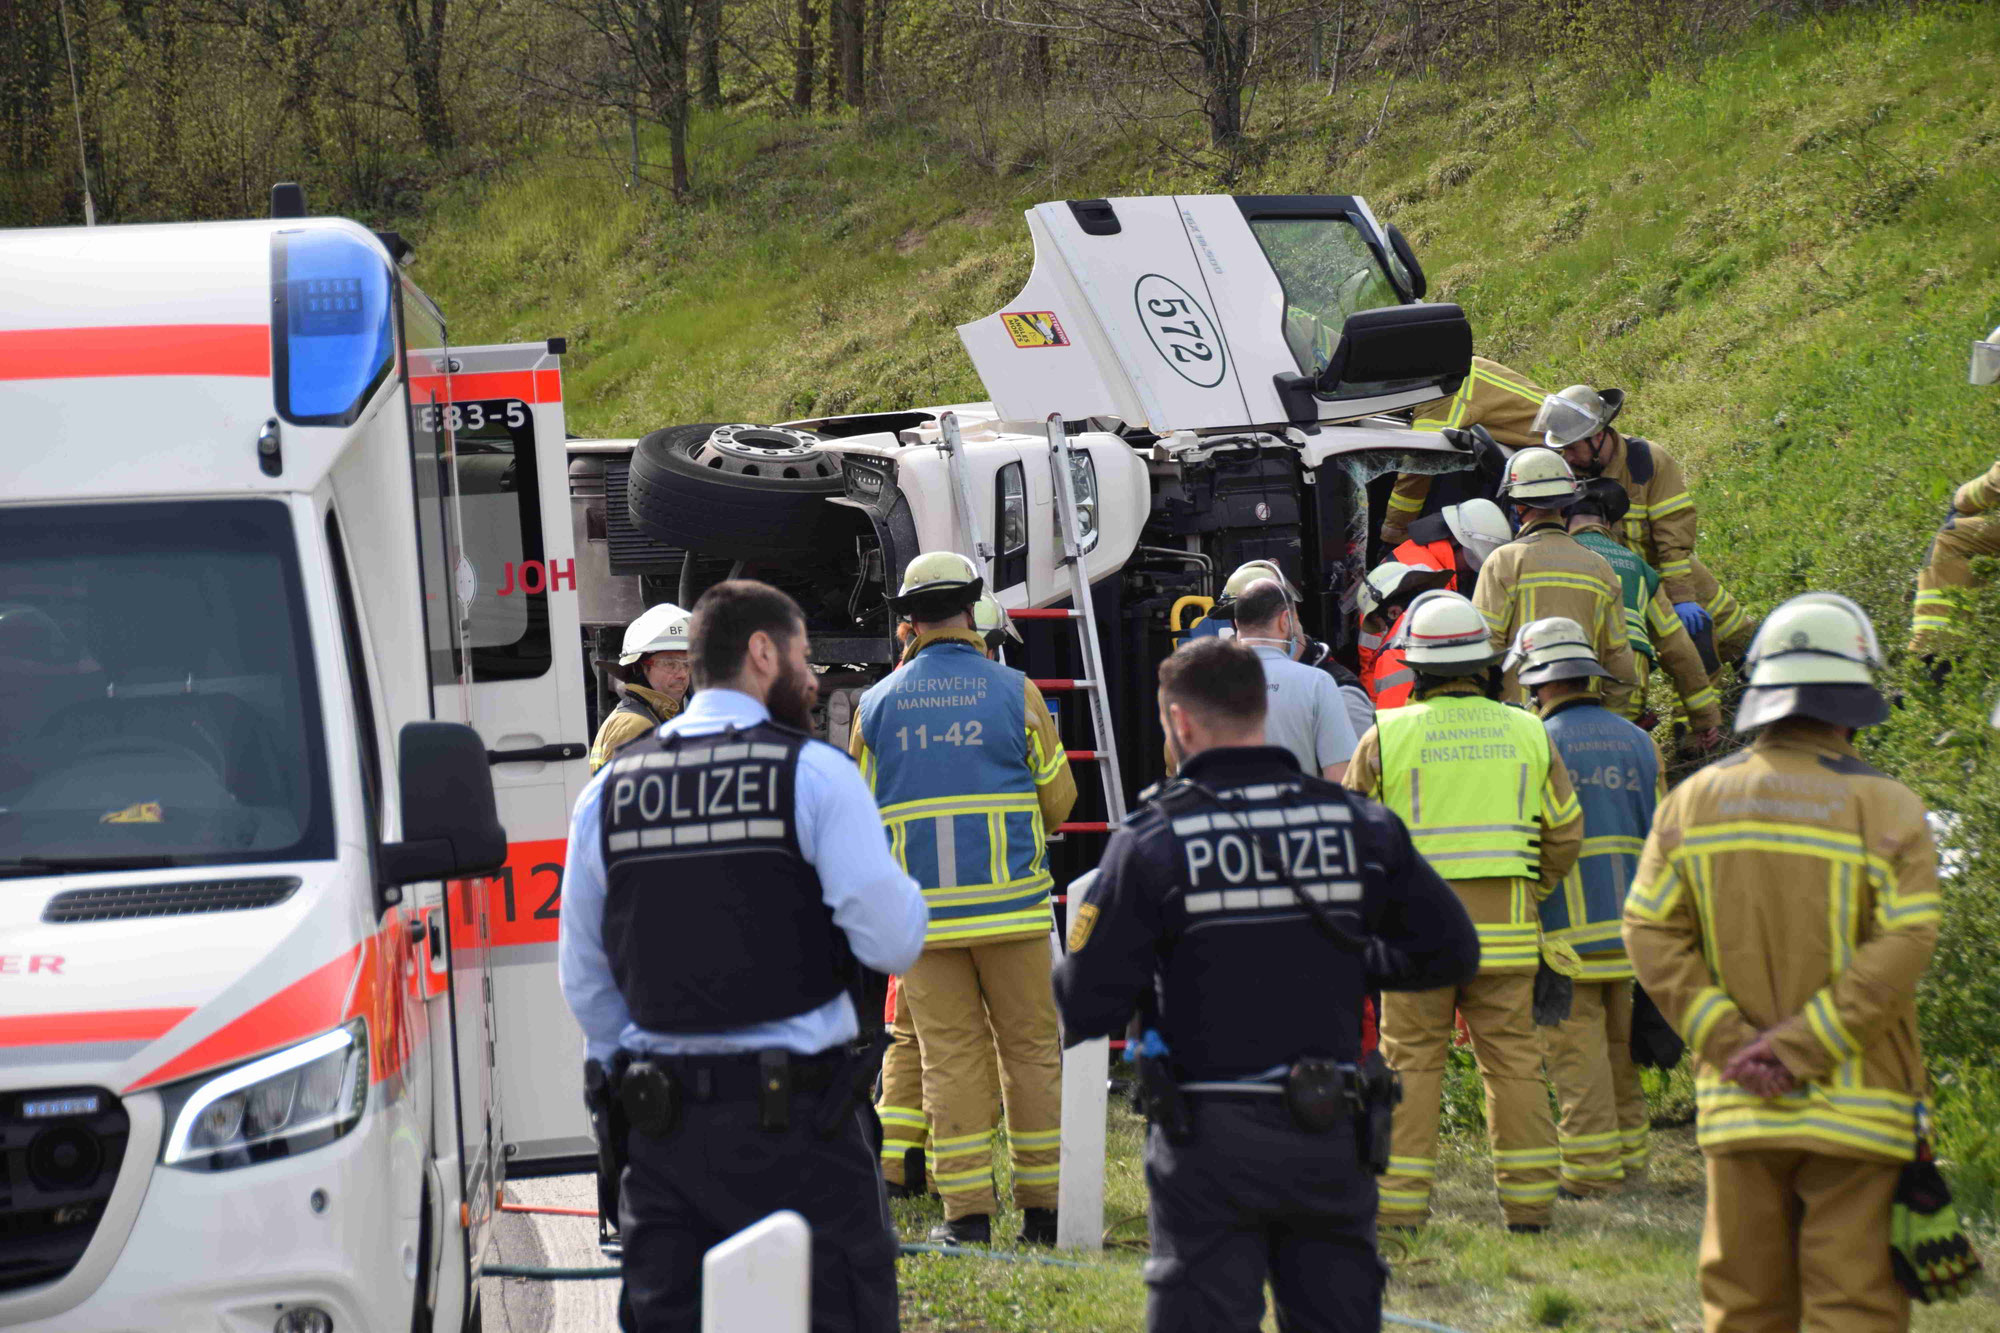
pixel 451 827
pixel 1384 350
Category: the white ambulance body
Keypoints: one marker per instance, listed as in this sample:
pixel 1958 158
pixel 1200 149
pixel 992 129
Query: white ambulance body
pixel 254 549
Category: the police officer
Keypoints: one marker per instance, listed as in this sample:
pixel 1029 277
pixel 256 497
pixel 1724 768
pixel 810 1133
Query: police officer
pixel 1308 716
pixel 652 677
pixel 970 774
pixel 1604 1132
pixel 1258 1159
pixel 1546 572
pixel 1491 808
pixel 724 876
pixel 1784 910
pixel 900 1107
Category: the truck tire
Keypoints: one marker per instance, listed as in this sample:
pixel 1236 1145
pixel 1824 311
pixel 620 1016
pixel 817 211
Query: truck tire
pixel 742 492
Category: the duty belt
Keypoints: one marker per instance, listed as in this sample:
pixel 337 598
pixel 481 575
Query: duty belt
pixel 741 1076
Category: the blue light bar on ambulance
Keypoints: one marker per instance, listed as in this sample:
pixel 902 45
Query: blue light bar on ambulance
pixel 333 326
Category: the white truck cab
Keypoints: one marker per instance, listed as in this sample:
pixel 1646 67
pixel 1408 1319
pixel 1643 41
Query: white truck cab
pixel 248 1030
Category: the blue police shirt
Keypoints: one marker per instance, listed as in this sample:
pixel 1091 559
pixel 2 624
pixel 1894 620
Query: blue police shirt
pixel 840 833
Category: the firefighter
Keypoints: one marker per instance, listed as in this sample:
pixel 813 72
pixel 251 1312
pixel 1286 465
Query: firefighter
pixel 1502 400
pixel 900 1106
pixel 652 678
pixel 1456 539
pixel 1971 528
pixel 970 774
pixel 1490 807
pixel 1383 599
pixel 1657 634
pixel 714 975
pixel 1546 572
pixel 1266 1121
pixel 1307 714
pixel 1604 1130
pixel 1661 524
pixel 1784 910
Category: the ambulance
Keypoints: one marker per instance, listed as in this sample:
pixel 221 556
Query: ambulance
pixel 270 598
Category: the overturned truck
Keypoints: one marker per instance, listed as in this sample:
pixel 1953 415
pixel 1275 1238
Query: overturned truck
pixel 1227 370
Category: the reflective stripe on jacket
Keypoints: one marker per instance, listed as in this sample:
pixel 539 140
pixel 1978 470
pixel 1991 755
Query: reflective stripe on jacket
pixel 1503 400
pixel 967 767
pixel 1384 674
pixel 1791 889
pixel 1438 555
pixel 1980 495
pixel 1546 572
pixel 1485 806
pixel 1616 773
pixel 1655 629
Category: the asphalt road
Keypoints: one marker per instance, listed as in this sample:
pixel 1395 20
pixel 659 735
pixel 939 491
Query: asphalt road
pixel 521 1305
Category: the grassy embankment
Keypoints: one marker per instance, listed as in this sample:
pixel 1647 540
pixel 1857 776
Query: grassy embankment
pixel 1782 254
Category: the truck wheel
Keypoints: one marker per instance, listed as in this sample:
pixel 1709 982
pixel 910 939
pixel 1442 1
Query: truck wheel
pixel 744 492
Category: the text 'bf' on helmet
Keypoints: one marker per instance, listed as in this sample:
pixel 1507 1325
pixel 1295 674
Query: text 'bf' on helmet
pixel 1576 413
pixel 1538 478
pixel 660 629
pixel 1444 635
pixel 938 584
pixel 1551 649
pixel 1816 656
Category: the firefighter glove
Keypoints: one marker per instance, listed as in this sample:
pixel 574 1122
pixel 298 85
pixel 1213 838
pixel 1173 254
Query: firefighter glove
pixel 1933 1259
pixel 1695 616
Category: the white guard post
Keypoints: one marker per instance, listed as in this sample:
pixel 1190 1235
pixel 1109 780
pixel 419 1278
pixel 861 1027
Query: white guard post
pixel 760 1279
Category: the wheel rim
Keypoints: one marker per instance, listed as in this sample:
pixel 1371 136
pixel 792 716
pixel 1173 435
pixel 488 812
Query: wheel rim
pixel 764 451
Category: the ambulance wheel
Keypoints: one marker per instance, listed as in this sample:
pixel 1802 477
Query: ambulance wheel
pixel 745 492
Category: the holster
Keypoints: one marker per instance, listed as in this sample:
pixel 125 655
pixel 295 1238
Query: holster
pixel 607 1126
pixel 853 1081
pixel 1164 1103
pixel 1380 1090
pixel 651 1099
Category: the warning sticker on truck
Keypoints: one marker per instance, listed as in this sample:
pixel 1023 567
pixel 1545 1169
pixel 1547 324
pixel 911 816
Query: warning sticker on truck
pixel 1034 328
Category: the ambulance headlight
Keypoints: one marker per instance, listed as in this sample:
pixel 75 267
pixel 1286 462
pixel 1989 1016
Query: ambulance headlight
pixel 279 1105
pixel 1083 484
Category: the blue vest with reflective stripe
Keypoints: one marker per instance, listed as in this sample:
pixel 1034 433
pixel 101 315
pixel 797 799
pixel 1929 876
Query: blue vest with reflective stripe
pixel 950 761
pixel 1616 771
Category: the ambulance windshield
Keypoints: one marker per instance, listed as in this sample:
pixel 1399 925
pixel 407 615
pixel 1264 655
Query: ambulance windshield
pixel 157 696
pixel 1328 271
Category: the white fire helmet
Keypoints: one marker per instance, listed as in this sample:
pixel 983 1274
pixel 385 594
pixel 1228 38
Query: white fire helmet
pixel 1255 571
pixel 937 584
pixel 1538 478
pixel 1393 580
pixel 991 620
pixel 1553 648
pixel 1576 413
pixel 1986 368
pixel 662 629
pixel 1816 656
pixel 1445 635
pixel 1478 527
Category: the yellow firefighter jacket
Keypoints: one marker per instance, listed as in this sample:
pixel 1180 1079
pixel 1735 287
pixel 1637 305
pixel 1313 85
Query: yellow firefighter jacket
pixel 639 711
pixel 1979 495
pixel 1546 572
pixel 1502 400
pixel 1487 804
pixel 1791 888
pixel 1661 524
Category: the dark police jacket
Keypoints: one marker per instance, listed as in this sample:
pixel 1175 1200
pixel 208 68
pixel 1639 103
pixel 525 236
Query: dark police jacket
pixel 1192 902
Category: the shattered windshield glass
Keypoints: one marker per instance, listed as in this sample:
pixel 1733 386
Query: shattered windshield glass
pixel 1328 272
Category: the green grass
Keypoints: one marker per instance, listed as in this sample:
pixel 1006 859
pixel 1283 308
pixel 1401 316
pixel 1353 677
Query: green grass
pixel 1781 253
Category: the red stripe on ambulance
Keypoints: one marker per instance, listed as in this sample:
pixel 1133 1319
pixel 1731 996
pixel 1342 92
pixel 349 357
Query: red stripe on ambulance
pixel 137 349
pixel 309 1006
pixel 530 386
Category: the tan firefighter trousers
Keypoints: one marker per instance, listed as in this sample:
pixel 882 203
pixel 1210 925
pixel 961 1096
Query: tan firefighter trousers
pixel 970 1002
pixel 901 1106
pixel 1603 1133
pixel 1946 582
pixel 1798 1242
pixel 1416 1035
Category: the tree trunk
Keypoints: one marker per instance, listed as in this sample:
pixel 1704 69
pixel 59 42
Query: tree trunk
pixel 709 14
pixel 836 23
pixel 878 26
pixel 804 58
pixel 423 47
pixel 855 30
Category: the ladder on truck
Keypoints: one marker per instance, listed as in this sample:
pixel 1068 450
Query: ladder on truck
pixel 1086 1068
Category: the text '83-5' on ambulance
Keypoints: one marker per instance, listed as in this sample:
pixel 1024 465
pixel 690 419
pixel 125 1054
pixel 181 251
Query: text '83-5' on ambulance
pixel 264 568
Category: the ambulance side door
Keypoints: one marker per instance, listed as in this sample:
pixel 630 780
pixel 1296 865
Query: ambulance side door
pixel 526 658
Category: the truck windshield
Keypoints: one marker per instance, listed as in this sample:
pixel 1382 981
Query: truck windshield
pixel 1328 272
pixel 157 695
